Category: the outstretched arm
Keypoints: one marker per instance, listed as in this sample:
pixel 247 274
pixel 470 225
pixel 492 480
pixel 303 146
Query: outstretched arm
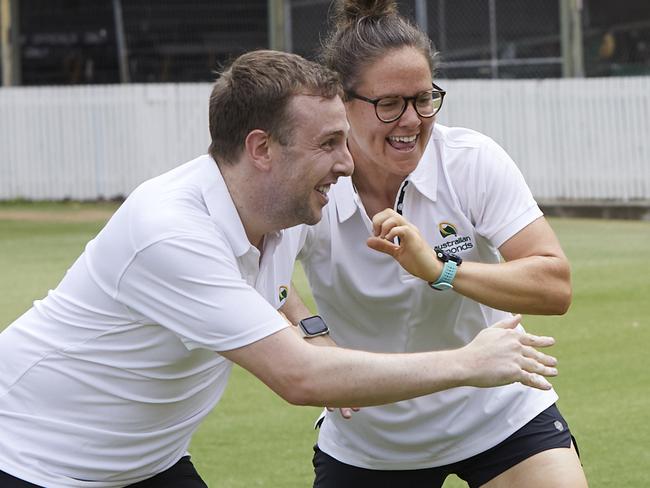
pixel 535 278
pixel 294 310
pixel 304 374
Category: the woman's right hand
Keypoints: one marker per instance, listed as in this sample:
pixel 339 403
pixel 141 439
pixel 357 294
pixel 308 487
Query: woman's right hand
pixel 397 237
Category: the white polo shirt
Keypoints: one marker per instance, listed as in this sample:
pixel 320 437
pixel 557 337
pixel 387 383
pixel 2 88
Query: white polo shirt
pixel 103 382
pixel 467 196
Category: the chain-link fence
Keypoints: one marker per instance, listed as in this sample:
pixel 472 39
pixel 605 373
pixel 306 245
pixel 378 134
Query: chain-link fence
pixel 474 38
pixel 497 39
pixel 179 40
pixel 63 43
pixel 108 41
pixel 616 37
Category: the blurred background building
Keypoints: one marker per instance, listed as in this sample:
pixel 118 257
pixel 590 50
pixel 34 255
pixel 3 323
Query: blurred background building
pixel 61 42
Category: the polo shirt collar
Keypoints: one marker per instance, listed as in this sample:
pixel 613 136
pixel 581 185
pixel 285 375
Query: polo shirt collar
pixel 222 209
pixel 424 178
pixel 346 198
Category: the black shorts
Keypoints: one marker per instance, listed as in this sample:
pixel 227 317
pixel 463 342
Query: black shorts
pixel 547 431
pixel 180 475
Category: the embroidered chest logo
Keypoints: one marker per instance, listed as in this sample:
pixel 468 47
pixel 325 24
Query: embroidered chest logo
pixel 446 229
pixel 457 243
pixel 283 293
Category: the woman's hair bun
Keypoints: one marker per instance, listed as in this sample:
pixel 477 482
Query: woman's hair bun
pixel 347 12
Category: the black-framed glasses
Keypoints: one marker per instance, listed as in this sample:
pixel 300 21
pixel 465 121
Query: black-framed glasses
pixel 389 109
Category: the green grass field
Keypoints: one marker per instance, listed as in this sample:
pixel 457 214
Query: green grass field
pixel 253 438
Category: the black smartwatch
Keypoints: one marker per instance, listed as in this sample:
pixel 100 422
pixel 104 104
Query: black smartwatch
pixel 451 263
pixel 313 326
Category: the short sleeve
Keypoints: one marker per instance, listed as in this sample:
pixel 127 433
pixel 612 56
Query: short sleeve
pixel 501 204
pixel 192 286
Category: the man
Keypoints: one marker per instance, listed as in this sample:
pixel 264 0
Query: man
pixel 103 382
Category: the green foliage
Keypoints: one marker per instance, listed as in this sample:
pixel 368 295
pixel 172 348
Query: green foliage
pixel 253 438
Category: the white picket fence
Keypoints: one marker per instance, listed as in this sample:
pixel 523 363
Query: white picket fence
pixel 97 141
pixel 574 139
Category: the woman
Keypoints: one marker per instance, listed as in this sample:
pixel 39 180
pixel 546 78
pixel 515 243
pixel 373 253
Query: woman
pixel 470 202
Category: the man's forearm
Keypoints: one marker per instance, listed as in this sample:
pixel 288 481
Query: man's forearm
pixel 337 377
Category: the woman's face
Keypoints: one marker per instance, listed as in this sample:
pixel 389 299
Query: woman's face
pixel 394 147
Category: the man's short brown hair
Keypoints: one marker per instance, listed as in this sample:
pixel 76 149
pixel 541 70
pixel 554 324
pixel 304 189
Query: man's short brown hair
pixel 254 92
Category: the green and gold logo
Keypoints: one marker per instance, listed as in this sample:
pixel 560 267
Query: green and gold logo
pixel 284 293
pixel 446 229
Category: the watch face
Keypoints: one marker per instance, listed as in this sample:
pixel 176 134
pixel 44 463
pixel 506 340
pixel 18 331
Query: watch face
pixel 314 325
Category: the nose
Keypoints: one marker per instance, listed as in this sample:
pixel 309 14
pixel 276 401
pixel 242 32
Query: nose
pixel 344 164
pixel 410 117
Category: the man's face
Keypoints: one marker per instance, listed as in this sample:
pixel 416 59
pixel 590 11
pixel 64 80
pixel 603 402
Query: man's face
pixel 315 157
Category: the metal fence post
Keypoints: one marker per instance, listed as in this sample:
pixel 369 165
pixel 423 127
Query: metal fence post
pixel 10 47
pixel 280 25
pixel 122 52
pixel 494 48
pixel 421 15
pixel 571 38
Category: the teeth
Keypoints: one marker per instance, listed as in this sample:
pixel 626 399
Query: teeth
pixel 403 138
pixel 323 189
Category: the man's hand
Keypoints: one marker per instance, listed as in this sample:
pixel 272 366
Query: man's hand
pixel 502 354
pixel 397 237
pixel 346 412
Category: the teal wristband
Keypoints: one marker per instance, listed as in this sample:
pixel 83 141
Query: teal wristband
pixel 444 282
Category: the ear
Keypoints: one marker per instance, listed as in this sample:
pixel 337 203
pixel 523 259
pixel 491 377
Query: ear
pixel 258 149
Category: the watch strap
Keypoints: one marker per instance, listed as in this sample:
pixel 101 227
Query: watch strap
pixel 444 282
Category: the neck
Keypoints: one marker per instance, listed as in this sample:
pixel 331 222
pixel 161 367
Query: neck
pixel 376 187
pixel 242 191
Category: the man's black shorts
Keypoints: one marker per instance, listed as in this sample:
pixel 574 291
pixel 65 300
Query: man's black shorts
pixel 547 431
pixel 180 475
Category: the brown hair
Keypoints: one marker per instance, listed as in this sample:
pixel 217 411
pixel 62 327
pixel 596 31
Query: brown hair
pixel 363 31
pixel 254 92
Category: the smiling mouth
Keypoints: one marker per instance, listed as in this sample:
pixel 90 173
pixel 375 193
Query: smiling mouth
pixel 402 143
pixel 323 189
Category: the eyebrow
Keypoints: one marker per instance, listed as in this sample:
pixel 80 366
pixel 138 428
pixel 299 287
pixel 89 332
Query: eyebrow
pixel 333 133
pixel 396 95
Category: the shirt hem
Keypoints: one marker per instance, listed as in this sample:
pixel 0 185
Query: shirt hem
pixel 348 456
